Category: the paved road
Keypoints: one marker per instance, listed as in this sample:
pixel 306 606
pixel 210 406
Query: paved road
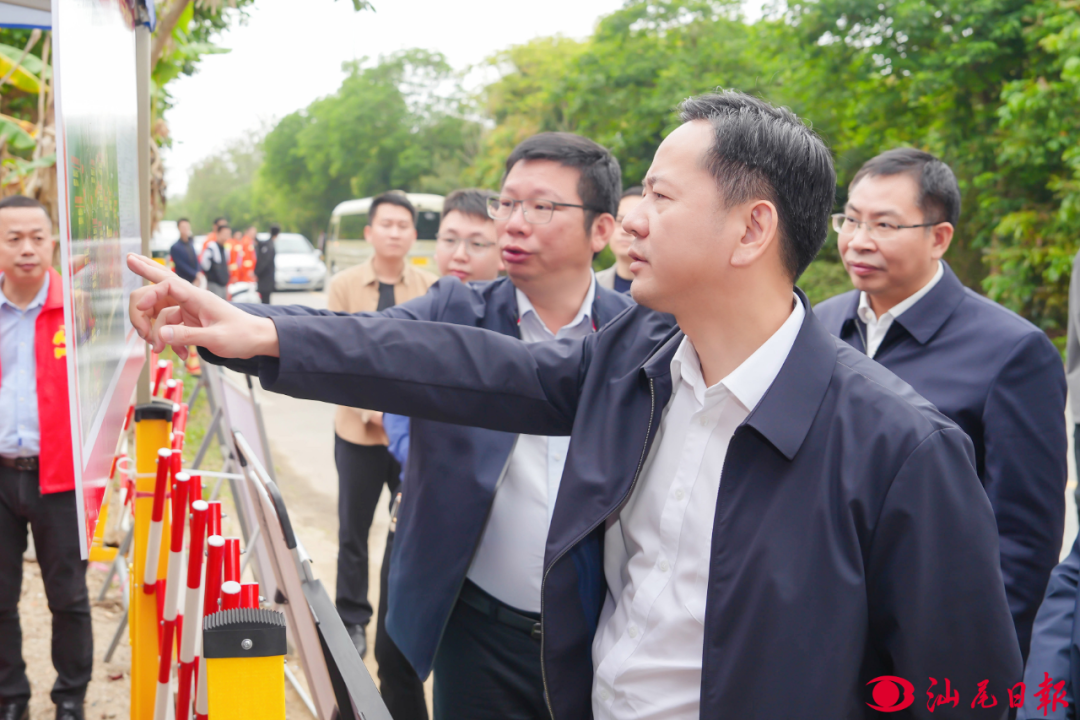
pixel 301 434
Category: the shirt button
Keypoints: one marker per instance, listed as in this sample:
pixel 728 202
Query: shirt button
pixel 664 567
pixel 680 494
pixel 632 631
pixel 703 421
pixel 558 457
pixel 604 694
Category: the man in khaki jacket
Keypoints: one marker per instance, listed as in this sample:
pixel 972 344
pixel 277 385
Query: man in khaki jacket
pixel 363 461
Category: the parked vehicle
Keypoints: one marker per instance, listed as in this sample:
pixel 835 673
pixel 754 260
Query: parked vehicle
pixel 165 234
pixel 297 265
pixel 345 244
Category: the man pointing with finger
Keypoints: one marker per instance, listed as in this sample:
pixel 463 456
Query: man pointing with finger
pixel 754 519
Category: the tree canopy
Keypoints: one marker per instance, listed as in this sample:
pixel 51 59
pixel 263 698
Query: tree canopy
pixel 990 86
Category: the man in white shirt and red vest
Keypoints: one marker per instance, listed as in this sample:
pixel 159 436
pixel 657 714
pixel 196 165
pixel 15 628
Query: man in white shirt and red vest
pixel 37 481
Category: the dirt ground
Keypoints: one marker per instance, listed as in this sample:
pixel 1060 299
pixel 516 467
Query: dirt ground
pixel 314 517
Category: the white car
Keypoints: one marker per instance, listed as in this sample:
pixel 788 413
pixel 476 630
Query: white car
pixel 297 265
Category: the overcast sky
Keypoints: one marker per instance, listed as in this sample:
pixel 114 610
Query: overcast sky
pixel 290 52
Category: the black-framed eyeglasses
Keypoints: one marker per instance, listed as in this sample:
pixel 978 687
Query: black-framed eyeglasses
pixel 474 248
pixel 878 229
pixel 536 212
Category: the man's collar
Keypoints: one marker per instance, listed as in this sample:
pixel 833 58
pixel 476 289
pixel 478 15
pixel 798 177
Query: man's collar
pixel 866 311
pixel 786 411
pixel 368 276
pixel 39 298
pixel 525 306
pixel 925 317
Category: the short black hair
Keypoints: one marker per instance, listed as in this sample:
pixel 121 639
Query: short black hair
pixel 762 151
pixel 633 191
pixel 600 185
pixel 939 193
pixel 219 220
pixel 275 230
pixel 183 220
pixel 391 198
pixel 22 201
pixel 467 201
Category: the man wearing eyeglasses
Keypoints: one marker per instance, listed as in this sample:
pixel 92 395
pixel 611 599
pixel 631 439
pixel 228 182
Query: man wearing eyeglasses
pixel 993 373
pixel 467 564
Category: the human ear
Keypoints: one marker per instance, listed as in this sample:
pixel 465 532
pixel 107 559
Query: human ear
pixel 603 229
pixel 759 223
pixel 941 238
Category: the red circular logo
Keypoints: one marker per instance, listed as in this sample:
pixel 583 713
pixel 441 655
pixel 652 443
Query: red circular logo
pixel 891 693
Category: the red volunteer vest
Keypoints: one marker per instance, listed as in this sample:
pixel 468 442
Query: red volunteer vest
pixel 57 468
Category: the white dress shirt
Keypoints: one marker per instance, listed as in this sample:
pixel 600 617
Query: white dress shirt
pixel 877 327
pixel 509 562
pixel 648 648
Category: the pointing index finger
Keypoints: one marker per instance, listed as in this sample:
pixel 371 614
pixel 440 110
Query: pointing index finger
pixel 152 271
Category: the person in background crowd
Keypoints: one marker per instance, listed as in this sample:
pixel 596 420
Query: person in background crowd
pixel 364 464
pixel 234 251
pixel 264 264
pixel 182 252
pixel 618 277
pixel 37 475
pixel 215 259
pixel 993 373
pixel 466 248
pixel 798 524
pixel 246 265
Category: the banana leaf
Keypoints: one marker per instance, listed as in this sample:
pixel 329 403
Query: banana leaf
pixel 22 78
pixel 17 138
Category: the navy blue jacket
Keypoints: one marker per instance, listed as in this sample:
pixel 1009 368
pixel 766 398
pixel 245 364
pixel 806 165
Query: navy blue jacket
pixel 1055 641
pixel 999 378
pixel 450 479
pixel 852 538
pixel 183 257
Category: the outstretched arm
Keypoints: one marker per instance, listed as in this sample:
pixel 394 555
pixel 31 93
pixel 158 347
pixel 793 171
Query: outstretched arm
pixel 438 371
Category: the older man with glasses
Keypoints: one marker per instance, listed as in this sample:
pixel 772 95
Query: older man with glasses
pixel 993 373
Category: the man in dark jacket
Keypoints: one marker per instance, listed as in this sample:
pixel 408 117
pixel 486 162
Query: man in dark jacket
pixel 754 520
pixel 182 252
pixel 264 264
pixel 993 373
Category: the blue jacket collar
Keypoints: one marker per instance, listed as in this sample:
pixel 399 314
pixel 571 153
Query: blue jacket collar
pixel 503 299
pixel 923 319
pixel 785 413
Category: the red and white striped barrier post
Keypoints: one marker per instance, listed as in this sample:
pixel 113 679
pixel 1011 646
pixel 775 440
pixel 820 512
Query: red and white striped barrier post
pixel 157 519
pixel 213 520
pixel 163 372
pixel 230 595
pixel 215 557
pixel 172 595
pixel 249 595
pixel 192 609
pixel 232 559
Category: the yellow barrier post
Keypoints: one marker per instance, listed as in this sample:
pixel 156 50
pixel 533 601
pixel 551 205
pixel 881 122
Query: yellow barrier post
pixel 152 424
pixel 245 664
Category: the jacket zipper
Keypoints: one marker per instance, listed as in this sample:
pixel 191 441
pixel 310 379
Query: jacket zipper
pixel 543 582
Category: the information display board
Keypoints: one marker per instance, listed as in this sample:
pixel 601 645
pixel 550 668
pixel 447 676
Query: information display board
pixel 97 177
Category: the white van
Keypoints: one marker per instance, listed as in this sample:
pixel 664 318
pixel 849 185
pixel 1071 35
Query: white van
pixel 345 244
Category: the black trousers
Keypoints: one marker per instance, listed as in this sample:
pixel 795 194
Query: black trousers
pixel 264 290
pixel 362 472
pixel 486 669
pixel 55 523
pixel 401 688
